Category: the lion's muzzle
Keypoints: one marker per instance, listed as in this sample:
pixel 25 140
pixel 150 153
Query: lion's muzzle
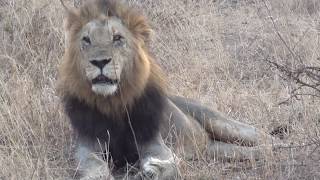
pixel 100 63
pixel 102 79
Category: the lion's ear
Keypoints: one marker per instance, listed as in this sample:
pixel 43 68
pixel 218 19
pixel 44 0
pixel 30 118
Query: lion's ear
pixel 141 28
pixel 66 9
pixel 147 33
pixel 69 14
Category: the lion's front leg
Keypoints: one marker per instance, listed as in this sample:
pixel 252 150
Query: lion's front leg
pixel 90 164
pixel 158 162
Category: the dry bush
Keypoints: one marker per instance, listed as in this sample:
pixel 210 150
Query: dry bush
pixel 214 51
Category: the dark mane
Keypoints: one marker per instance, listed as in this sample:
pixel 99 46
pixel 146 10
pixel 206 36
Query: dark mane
pixel 145 117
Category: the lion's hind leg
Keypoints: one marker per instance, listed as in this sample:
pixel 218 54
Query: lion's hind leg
pixel 231 152
pixel 221 128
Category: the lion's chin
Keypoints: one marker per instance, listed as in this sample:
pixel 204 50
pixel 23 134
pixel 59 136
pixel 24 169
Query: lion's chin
pixel 104 89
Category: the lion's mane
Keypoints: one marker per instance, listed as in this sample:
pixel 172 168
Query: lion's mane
pixel 145 71
pixel 135 111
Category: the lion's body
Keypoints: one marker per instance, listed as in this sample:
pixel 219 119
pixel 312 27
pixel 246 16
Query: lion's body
pixel 115 96
pixel 115 131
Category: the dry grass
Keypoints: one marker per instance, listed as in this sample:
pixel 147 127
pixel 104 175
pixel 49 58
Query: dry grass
pixel 214 51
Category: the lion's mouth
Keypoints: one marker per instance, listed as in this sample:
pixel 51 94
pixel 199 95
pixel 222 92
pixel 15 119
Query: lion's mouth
pixel 101 79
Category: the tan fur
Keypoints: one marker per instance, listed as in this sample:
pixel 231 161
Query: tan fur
pixel 145 70
pixel 208 131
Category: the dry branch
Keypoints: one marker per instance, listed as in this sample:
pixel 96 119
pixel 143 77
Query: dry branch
pixel 306 78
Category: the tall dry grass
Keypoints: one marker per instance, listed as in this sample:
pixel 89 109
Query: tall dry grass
pixel 213 51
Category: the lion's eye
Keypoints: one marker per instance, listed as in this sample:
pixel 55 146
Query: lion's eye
pixel 87 40
pixel 117 38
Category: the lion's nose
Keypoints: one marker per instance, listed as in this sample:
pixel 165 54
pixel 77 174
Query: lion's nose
pixel 100 63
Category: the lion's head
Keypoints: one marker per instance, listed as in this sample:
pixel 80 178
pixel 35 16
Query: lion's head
pixel 106 56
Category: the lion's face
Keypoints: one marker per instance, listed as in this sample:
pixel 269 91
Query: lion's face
pixel 107 54
pixel 106 51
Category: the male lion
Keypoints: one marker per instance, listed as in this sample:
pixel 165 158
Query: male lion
pixel 115 96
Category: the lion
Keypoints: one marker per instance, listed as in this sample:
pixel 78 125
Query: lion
pixel 115 95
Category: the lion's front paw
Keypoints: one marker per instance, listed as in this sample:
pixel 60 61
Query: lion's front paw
pixel 151 171
pixel 156 169
pixel 100 173
pixel 97 177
